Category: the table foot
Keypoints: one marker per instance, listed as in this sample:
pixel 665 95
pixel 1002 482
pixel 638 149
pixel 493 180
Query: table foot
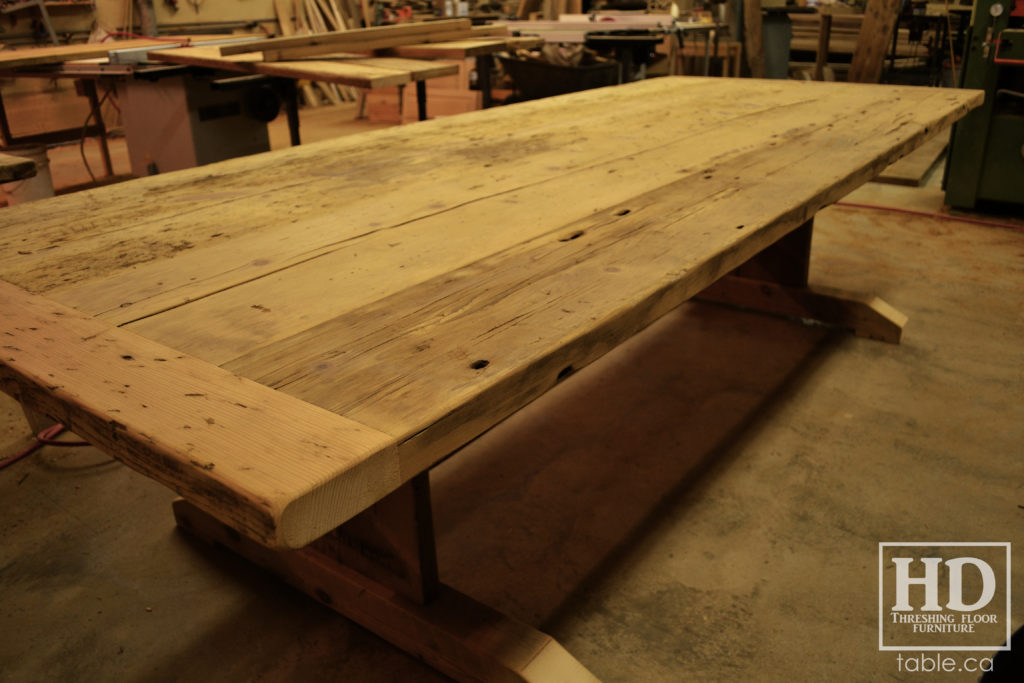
pixel 451 632
pixel 866 315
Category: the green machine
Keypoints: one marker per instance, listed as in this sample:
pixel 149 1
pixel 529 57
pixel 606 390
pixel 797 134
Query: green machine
pixel 986 158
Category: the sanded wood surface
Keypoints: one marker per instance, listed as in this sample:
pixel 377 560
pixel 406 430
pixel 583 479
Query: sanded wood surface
pixel 429 280
pixel 361 73
pixel 913 169
pixel 197 428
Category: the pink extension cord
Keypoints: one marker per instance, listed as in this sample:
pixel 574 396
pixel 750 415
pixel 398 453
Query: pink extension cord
pixel 47 437
pixel 940 216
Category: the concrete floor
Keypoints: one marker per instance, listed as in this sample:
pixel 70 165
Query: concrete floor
pixel 705 503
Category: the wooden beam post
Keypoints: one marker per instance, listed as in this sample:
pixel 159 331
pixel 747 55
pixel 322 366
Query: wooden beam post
pixel 392 542
pixel 775 281
pixel 821 58
pixel 787 261
pixel 37 422
pixel 753 37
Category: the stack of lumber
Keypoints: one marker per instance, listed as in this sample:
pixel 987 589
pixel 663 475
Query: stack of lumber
pixel 306 17
pixel 573 28
pixel 843 35
pixel 40 56
pixel 347 57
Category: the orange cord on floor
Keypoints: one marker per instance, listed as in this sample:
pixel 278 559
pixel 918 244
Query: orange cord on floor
pixel 47 437
pixel 941 216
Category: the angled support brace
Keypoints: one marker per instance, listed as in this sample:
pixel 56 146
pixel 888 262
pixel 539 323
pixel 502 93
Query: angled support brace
pixel 775 282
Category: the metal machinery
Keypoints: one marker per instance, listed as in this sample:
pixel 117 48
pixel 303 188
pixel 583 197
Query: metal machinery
pixel 177 118
pixel 986 160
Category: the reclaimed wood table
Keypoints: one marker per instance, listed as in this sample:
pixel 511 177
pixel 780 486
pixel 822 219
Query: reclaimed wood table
pixel 292 340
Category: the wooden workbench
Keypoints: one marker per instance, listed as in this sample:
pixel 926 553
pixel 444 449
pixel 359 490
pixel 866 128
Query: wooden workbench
pixel 292 340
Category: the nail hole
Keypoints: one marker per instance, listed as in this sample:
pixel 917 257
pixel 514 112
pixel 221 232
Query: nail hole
pixel 708 177
pixel 479 364
pixel 622 213
pixel 565 372
pixel 739 227
pixel 322 596
pixel 127 357
pixel 578 233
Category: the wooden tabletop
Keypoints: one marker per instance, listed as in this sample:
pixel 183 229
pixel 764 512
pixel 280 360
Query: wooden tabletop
pixel 406 289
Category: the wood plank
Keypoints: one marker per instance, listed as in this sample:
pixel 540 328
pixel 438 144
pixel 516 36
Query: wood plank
pixel 204 260
pixel 418 356
pixel 913 169
pixel 419 70
pixel 148 237
pixel 215 438
pixel 821 56
pixel 11 59
pixel 130 296
pixel 343 39
pixel 283 10
pixel 349 72
pixel 527 7
pixel 873 40
pixel 15 168
pixel 753 37
pixel 461 49
pixel 383 42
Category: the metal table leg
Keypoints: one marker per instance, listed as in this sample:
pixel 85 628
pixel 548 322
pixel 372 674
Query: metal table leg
pixel 421 100
pixel 291 108
pixel 483 79
pixel 89 88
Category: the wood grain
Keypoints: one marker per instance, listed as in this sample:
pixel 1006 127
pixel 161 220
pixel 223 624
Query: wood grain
pixel 274 468
pixel 427 281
